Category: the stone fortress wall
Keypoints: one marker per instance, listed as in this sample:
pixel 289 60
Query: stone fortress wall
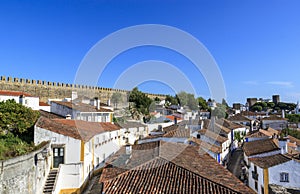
pixel 56 90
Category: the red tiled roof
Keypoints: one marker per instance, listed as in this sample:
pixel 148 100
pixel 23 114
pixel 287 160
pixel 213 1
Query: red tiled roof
pixel 43 104
pixel 81 106
pixel 161 167
pixel 208 146
pixel 293 139
pixel 213 135
pixel 259 147
pixel 239 117
pixel 13 93
pixel 269 161
pixel 76 129
pixel 50 115
pixel 171 117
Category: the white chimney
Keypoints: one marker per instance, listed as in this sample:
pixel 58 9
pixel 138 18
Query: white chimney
pixel 98 104
pixel 283 113
pixel 128 149
pixel 74 95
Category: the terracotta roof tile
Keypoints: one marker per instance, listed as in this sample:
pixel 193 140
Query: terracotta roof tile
pixel 13 93
pixel 213 135
pixel 76 129
pixel 293 139
pixel 259 147
pixel 239 117
pixel 164 167
pixel 43 104
pixel 50 115
pixel 269 161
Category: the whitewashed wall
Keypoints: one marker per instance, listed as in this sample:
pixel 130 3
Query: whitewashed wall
pixel 292 167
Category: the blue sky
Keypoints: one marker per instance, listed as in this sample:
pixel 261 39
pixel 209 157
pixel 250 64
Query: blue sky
pixel 256 44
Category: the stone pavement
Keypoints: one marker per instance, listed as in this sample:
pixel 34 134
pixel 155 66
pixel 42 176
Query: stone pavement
pixel 235 162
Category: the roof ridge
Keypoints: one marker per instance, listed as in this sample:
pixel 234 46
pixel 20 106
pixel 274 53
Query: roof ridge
pixel 201 176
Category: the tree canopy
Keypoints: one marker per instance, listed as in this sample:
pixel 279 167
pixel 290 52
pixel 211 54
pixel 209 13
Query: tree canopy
pixel 15 117
pixel 116 98
pixel 141 101
pixel 202 103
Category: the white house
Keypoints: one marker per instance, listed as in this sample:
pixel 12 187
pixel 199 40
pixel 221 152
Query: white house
pixel 132 131
pixel 78 147
pixel 276 169
pixel 21 97
pixel 82 111
pixel 260 148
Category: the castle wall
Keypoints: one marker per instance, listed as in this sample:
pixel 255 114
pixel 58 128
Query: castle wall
pixel 57 90
pixel 25 174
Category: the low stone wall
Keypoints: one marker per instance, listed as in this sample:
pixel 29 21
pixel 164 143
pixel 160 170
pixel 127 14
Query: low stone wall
pixel 25 174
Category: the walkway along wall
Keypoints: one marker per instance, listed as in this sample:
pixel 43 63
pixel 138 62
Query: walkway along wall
pixel 25 174
pixel 47 89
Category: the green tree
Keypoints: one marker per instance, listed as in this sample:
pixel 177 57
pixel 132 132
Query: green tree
pixel 224 103
pixel 182 98
pixel 257 108
pixel 293 118
pixel 141 101
pixel 116 98
pixel 171 99
pixel 192 102
pixel 219 111
pixel 16 118
pixel 202 103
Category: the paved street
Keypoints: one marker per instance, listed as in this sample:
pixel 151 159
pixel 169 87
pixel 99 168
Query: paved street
pixel 234 165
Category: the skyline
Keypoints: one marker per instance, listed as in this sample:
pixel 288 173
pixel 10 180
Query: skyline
pixel 254 43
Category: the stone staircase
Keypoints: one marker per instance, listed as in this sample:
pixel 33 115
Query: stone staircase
pixel 49 185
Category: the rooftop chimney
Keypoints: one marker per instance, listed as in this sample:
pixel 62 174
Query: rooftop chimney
pixel 283 113
pixel 128 149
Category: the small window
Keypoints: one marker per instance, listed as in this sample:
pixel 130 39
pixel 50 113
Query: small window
pixel 103 137
pixel 89 118
pixel 109 135
pixel 256 186
pixel 137 129
pixel 284 177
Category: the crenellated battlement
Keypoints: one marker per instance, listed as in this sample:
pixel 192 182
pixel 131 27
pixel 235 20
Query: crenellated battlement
pixel 48 89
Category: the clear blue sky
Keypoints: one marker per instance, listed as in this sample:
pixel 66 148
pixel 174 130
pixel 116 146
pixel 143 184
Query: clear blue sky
pixel 255 43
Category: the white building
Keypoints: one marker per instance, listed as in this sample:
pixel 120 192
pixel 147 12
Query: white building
pixel 21 98
pixel 82 111
pixel 276 170
pixel 78 147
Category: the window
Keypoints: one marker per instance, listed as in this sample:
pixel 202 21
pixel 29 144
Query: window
pixel 89 118
pixel 256 185
pixel 284 177
pixel 103 137
pixel 262 190
pixel 109 135
pixel 137 129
